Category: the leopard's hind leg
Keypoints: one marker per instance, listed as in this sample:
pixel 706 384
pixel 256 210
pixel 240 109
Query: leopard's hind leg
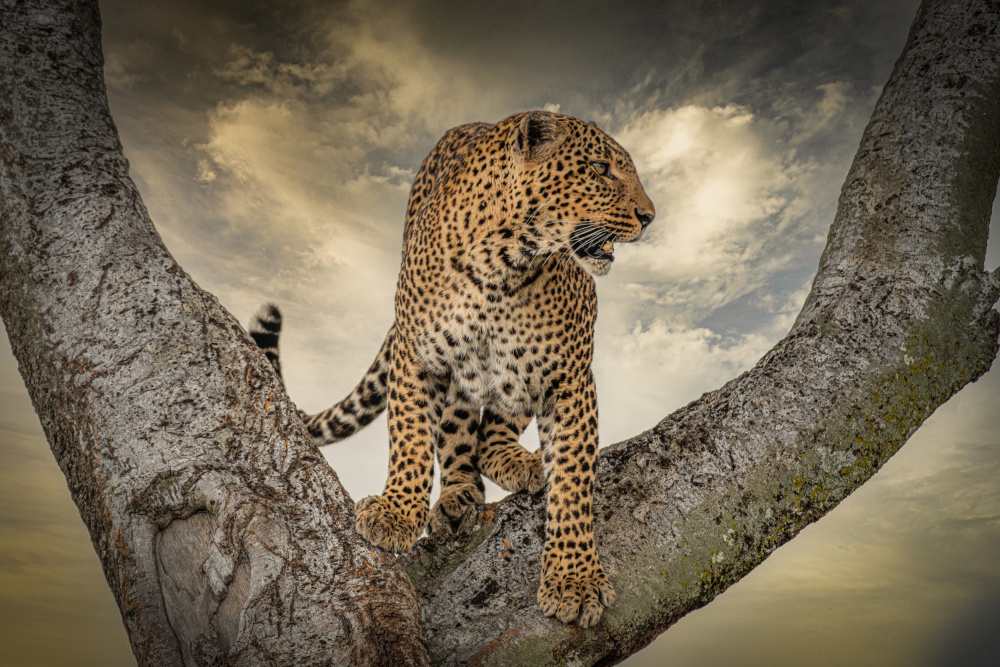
pixel 502 458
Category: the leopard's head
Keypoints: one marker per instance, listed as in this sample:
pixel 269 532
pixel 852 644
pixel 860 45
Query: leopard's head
pixel 575 189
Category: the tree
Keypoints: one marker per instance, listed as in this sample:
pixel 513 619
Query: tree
pixel 226 538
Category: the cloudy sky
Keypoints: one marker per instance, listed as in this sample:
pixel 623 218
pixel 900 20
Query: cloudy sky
pixel 274 145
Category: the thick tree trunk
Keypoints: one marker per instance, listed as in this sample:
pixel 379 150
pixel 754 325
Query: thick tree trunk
pixel 222 532
pixel 227 539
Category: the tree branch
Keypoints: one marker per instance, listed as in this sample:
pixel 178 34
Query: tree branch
pixel 900 317
pixel 226 538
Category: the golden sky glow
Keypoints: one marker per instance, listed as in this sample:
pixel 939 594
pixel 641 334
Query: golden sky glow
pixel 274 145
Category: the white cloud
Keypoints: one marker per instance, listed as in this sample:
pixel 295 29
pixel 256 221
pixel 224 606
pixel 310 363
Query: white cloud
pixel 205 173
pixel 724 185
pixel 647 373
pixel 288 80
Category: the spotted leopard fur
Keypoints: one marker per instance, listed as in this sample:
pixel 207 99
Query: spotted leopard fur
pixel 495 310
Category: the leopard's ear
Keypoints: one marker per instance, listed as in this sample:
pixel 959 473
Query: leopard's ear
pixel 538 134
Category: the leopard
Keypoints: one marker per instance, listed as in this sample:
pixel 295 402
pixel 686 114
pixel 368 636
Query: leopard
pixel 507 226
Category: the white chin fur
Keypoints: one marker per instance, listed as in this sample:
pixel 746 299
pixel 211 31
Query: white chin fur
pixel 595 267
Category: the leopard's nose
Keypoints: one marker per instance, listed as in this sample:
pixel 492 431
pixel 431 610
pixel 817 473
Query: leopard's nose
pixel 644 217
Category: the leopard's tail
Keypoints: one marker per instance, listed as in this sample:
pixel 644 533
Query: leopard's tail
pixel 265 327
pixel 365 402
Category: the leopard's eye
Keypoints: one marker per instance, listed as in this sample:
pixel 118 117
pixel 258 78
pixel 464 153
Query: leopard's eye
pixel 600 167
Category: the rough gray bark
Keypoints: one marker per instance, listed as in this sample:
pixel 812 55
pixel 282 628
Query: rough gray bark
pixel 224 536
pixel 172 431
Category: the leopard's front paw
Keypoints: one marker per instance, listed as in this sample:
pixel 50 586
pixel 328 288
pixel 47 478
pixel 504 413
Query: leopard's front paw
pixel 385 524
pixel 579 597
pixel 451 507
pixel 521 471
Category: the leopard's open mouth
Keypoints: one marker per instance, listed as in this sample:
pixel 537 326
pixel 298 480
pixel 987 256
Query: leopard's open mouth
pixel 595 244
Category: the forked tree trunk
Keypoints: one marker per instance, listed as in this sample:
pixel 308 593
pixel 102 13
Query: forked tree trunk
pixel 227 539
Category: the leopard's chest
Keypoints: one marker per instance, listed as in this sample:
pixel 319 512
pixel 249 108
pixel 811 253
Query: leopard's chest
pixel 495 356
